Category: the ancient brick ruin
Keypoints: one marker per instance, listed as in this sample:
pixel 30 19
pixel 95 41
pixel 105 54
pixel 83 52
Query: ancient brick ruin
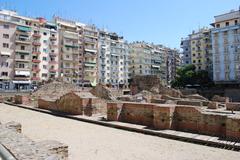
pixel 187 118
pixel 76 103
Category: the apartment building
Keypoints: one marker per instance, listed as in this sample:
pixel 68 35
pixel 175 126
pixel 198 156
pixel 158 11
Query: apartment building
pixel 197 50
pixel 173 62
pixel 90 54
pixel 69 50
pixel 7 45
pixel 113 59
pixel 186 51
pixel 30 44
pixel 140 58
pixel 148 59
pixel 159 62
pixel 226 48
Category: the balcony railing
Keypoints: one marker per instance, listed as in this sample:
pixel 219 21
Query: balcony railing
pixel 36 61
pixel 22 40
pixel 35 78
pixel 37 35
pixel 52 70
pixel 36 43
pixel 35 69
pixel 53 62
pixel 36 52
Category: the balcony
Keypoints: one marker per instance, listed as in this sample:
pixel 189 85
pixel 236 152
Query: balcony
pixel 25 51
pixel 52 54
pixel 52 70
pixel 70 35
pixel 35 69
pixel 36 43
pixel 53 62
pixel 22 40
pixel 19 59
pixel 53 38
pixel 36 61
pixel 36 52
pixel 35 78
pixel 36 35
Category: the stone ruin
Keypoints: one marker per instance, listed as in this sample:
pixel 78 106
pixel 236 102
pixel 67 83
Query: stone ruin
pixel 76 103
pixel 23 148
pixel 188 118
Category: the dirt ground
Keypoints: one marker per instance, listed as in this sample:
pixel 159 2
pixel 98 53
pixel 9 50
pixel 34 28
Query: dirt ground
pixel 92 142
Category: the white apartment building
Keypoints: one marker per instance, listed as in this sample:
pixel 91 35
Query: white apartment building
pixel 226 48
pixel 113 60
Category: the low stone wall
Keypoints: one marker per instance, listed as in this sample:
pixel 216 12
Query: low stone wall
pixel 71 103
pixel 22 99
pixel 213 105
pixel 178 117
pixel 24 148
pixel 1 99
pixel 189 102
pixel 233 106
pixel 233 127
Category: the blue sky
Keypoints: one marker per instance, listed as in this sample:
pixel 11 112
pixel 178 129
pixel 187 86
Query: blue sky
pixel 158 21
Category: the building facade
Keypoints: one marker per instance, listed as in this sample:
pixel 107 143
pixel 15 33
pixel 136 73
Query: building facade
pixel 173 62
pixel 148 59
pixel 113 60
pixel 226 48
pixel 186 51
pixel 197 50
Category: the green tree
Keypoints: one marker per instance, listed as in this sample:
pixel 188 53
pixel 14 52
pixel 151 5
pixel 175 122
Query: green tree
pixel 188 75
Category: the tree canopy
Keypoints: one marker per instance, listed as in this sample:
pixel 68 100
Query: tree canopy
pixel 187 75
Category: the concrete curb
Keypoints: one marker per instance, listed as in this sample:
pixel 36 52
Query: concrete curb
pixel 220 144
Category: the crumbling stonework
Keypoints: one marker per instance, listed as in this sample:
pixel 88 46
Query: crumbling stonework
pixel 178 117
pixel 1 99
pixel 76 103
pixel 213 105
pixel 189 102
pixel 22 99
pixel 217 98
pixel 233 106
pixel 24 148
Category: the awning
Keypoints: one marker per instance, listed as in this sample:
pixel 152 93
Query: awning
pixel 90 64
pixel 5 53
pixel 154 66
pixel 23 28
pixel 22 82
pixel 90 50
pixel 22 73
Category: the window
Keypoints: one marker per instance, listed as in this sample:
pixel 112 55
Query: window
pixel 22 56
pixel 236 22
pixel 194 61
pixel 218 25
pixel 227 23
pixel 44 67
pixel 22 47
pixel 44 50
pixel 21 65
pixel 44 33
pixel 6 36
pixel 44 58
pixel 45 41
pixel 4 73
pixel 6 26
pixel 5 45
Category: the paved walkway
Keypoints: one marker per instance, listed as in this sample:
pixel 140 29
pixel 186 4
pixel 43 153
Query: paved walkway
pixel 93 142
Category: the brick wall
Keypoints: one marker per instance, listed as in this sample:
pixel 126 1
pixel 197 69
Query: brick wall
pixel 233 106
pixel 178 117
